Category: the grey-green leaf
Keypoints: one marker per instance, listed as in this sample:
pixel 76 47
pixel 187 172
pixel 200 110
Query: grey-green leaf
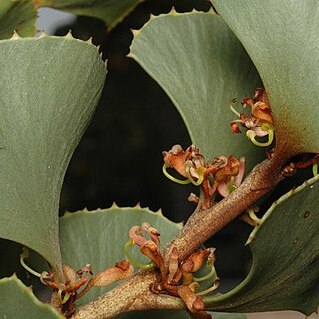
pixel 282 38
pixel 201 66
pixel 49 88
pixel 18 302
pixel 285 270
pixel 19 16
pixel 110 11
pixel 98 237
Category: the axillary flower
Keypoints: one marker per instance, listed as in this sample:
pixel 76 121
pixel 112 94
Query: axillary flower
pixel 230 176
pixel 77 283
pixel 223 175
pixel 177 278
pixel 189 163
pixel 260 122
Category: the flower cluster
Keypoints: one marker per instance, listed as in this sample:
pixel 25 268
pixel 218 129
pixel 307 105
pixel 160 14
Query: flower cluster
pixel 222 175
pixel 178 278
pixel 260 122
pixel 67 292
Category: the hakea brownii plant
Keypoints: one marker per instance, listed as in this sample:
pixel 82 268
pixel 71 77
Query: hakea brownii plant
pixel 177 279
pixel 67 292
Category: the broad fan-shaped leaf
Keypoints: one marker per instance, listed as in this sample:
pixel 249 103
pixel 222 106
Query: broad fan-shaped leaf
pixel 17 301
pixel 285 270
pixel 282 38
pixel 98 237
pixel 17 15
pixel 49 87
pixel 201 66
pixel 110 11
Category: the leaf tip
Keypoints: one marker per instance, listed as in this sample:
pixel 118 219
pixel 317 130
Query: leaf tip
pixel 159 213
pixel 89 41
pixel 15 35
pixel 114 205
pixel 212 11
pixel 135 32
pixel 69 35
pixel 14 277
pixel 173 12
pixel 152 17
pixel 138 205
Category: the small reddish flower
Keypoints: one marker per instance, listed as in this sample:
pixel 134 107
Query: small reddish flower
pixel 148 247
pixel 188 163
pixel 231 182
pixel 260 122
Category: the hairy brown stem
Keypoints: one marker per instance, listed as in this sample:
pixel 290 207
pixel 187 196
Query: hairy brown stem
pixel 135 293
pixel 203 224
